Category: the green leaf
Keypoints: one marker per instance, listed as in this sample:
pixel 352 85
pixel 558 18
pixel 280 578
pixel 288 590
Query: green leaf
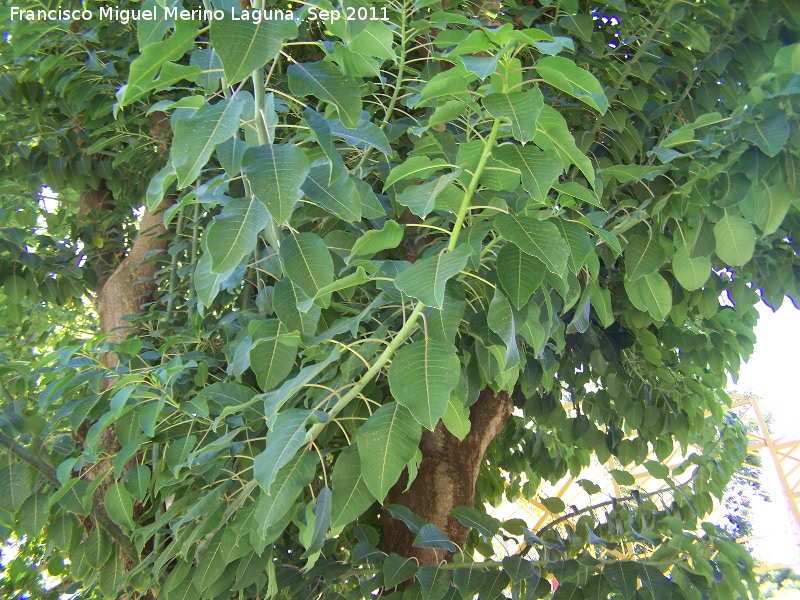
pixel 284 439
pixel 643 256
pixel 375 40
pixel 578 242
pixel 769 134
pixel 579 192
pixel 152 31
pixel 518 568
pixel 623 577
pixel 143 70
pixel 552 132
pixel 452 84
pixel 356 278
pixel 536 238
pixel 520 108
pixel 484 524
pixel 564 74
pixel 211 69
pixel 691 273
pixel 416 167
pixel 735 240
pixel 365 135
pixel 276 173
pixel 430 536
pixel 554 505
pixel 539 169
pixel 434 582
pixel 443 323
pixel 387 441
pixel 232 234
pixel 185 590
pixel 137 480
pixel 376 240
pixel 771 208
pixel 158 186
pixel 61 531
pixel 412 520
pixel 307 261
pixel 568 591
pixel 628 173
pixel 654 580
pixel 447 112
pixel 468 580
pixel 421 377
pixel 212 565
pixel 397 569
pixel 323 80
pixel 33 513
pixel 456 418
pixel 276 502
pixel 112 576
pixel 206 283
pixel 243 45
pixel 420 199
pixel 338 198
pixel 622 477
pixel 351 496
pixel 657 469
pixel 15 289
pixel 97 549
pixel 229 154
pixel 198 133
pixel 272 359
pixel 322 522
pixel 656 295
pixel 500 319
pixel 16 484
pixel 119 505
pixel 494 584
pixel 286 299
pixel 322 133
pixel 425 280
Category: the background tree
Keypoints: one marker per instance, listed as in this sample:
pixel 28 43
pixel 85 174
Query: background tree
pixel 357 278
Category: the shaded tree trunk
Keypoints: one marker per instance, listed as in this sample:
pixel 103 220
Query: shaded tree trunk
pixel 446 479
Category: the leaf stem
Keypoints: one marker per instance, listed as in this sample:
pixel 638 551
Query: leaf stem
pixel 402 335
pixel 473 185
pixel 271 231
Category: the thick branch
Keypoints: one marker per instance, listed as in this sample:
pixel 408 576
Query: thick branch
pixel 446 478
pixel 132 283
pixel 49 473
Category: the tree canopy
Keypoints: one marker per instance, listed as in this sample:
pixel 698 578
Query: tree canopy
pixel 325 282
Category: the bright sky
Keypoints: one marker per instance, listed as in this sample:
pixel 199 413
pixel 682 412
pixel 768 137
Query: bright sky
pixel 772 374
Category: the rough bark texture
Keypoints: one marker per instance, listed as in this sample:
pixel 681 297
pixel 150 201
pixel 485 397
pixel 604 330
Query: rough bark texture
pixel 446 479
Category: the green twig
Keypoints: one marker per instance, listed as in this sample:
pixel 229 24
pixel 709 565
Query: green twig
pixel 473 185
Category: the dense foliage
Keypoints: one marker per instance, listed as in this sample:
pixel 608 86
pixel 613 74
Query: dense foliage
pixel 381 233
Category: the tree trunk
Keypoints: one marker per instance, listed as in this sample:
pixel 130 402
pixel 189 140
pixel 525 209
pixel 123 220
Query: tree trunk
pixel 131 284
pixel 446 479
pixel 120 294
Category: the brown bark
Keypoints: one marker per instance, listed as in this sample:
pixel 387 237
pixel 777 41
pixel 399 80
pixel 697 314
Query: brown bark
pixel 120 293
pixel 446 479
pixel 131 284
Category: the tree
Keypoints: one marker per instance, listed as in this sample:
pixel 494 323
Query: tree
pixel 359 272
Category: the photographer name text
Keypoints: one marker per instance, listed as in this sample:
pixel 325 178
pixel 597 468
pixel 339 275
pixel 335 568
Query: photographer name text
pixel 125 16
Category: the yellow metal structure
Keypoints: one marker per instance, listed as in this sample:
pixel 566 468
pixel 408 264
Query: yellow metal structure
pixel 785 455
